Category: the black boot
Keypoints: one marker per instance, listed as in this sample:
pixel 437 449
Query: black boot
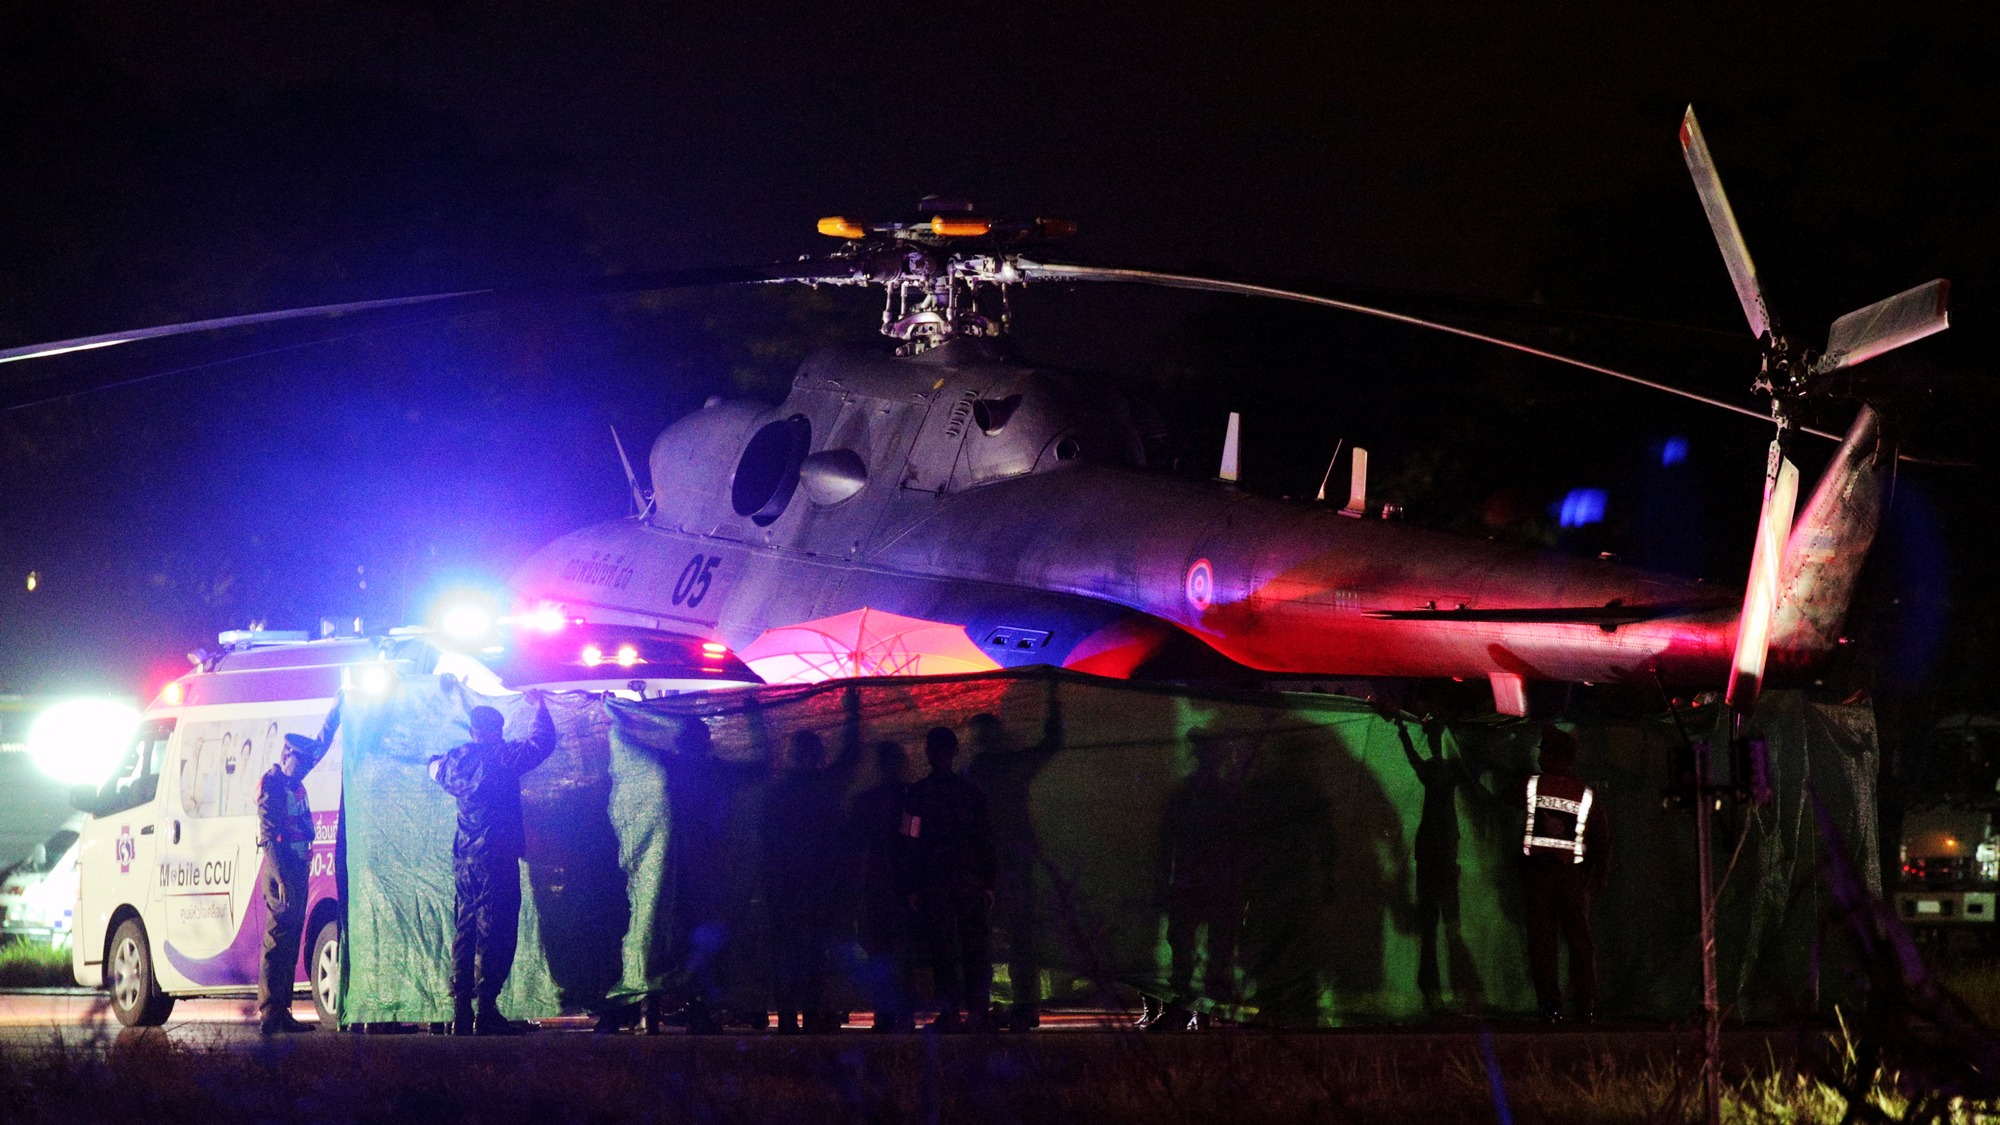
pixel 489 1021
pixel 614 1020
pixel 461 1017
pixel 701 1020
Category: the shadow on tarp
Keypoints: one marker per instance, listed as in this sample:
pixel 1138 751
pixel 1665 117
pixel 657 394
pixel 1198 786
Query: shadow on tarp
pixel 1262 856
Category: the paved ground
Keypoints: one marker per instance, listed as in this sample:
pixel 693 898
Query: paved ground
pixel 80 1017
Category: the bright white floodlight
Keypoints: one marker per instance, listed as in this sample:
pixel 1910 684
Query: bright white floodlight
pixel 79 742
pixel 467 623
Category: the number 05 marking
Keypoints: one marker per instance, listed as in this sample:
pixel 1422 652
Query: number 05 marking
pixel 692 586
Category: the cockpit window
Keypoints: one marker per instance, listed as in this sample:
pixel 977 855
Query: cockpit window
pixel 768 472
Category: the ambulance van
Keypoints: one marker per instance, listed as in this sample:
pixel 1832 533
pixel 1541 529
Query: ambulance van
pixel 168 861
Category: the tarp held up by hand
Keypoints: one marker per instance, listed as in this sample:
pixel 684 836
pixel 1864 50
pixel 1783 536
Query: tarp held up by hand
pixel 1277 858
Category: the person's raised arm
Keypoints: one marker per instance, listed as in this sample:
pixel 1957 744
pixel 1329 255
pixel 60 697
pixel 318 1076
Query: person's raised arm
pixel 849 756
pixel 527 755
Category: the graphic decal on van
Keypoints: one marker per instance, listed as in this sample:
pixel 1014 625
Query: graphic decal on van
pixel 126 848
pixel 236 964
pixel 197 912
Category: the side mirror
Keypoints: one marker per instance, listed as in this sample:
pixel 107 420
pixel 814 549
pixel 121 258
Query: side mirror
pixel 84 799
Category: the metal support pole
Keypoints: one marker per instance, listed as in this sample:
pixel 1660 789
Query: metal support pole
pixel 1711 1011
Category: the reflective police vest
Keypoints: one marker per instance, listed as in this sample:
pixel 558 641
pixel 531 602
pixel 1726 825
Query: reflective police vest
pixel 1558 808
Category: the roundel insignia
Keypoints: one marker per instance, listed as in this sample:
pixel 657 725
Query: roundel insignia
pixel 1200 584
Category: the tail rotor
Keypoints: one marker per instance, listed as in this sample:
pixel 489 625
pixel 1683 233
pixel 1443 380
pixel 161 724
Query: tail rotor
pixel 1789 377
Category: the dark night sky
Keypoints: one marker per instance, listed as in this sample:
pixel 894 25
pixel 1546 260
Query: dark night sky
pixel 196 160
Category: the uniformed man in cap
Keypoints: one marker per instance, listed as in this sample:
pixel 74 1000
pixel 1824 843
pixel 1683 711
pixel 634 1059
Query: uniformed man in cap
pixel 285 832
pixel 484 776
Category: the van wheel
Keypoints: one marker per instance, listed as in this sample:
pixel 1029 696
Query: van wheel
pixel 324 970
pixel 136 998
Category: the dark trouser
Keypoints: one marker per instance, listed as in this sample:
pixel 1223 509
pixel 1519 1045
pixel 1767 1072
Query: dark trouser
pixel 1015 902
pixel 488 922
pixel 957 929
pixel 885 938
pixel 798 946
pixel 282 882
pixel 1187 911
pixel 1437 906
pixel 1558 901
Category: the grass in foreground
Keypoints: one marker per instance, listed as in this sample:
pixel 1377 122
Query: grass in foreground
pixel 26 964
pixel 1246 1077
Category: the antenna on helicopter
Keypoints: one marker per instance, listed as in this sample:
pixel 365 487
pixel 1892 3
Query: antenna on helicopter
pixel 1328 475
pixel 642 504
pixel 1231 447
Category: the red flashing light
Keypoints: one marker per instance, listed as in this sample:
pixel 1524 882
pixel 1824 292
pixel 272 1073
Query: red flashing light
pixel 714 648
pixel 173 693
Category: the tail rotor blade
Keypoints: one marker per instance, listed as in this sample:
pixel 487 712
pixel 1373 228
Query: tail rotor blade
pixel 1722 220
pixel 1760 597
pixel 1886 325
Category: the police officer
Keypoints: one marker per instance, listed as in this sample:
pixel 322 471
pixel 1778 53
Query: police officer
pixel 1565 858
pixel 285 832
pixel 484 775
pixel 949 878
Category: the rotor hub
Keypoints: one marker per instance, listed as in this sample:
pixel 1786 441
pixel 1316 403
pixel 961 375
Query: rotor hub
pixel 944 276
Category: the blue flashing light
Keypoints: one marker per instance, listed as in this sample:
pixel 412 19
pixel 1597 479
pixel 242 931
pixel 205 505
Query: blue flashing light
pixel 1673 451
pixel 1583 506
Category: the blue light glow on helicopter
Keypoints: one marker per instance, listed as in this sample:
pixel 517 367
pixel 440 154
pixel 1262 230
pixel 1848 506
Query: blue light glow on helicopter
pixel 1673 451
pixel 1583 506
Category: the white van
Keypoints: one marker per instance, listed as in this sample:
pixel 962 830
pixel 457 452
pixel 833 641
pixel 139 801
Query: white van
pixel 168 860
pixel 38 894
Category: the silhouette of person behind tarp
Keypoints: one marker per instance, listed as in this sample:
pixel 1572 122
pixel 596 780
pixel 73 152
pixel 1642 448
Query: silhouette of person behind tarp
pixel 885 921
pixel 804 855
pixel 948 872
pixel 1289 879
pixel 1201 881
pixel 698 807
pixel 1437 868
pixel 1006 777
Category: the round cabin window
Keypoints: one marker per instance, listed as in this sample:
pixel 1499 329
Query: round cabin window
pixel 768 472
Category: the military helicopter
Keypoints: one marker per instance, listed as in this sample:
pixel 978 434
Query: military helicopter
pixel 944 506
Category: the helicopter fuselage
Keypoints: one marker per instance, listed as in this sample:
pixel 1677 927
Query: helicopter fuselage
pixel 957 488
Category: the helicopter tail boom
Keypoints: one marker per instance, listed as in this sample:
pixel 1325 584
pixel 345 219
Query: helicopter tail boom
pixel 1826 547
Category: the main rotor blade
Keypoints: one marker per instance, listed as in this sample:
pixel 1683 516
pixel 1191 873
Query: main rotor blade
pixel 1722 220
pixel 340 321
pixel 185 328
pixel 1886 325
pixel 1057 271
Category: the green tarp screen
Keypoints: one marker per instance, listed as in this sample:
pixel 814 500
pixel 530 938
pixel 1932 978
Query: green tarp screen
pixel 1285 859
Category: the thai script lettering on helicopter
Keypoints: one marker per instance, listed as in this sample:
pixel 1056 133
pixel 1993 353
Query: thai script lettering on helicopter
pixel 598 572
